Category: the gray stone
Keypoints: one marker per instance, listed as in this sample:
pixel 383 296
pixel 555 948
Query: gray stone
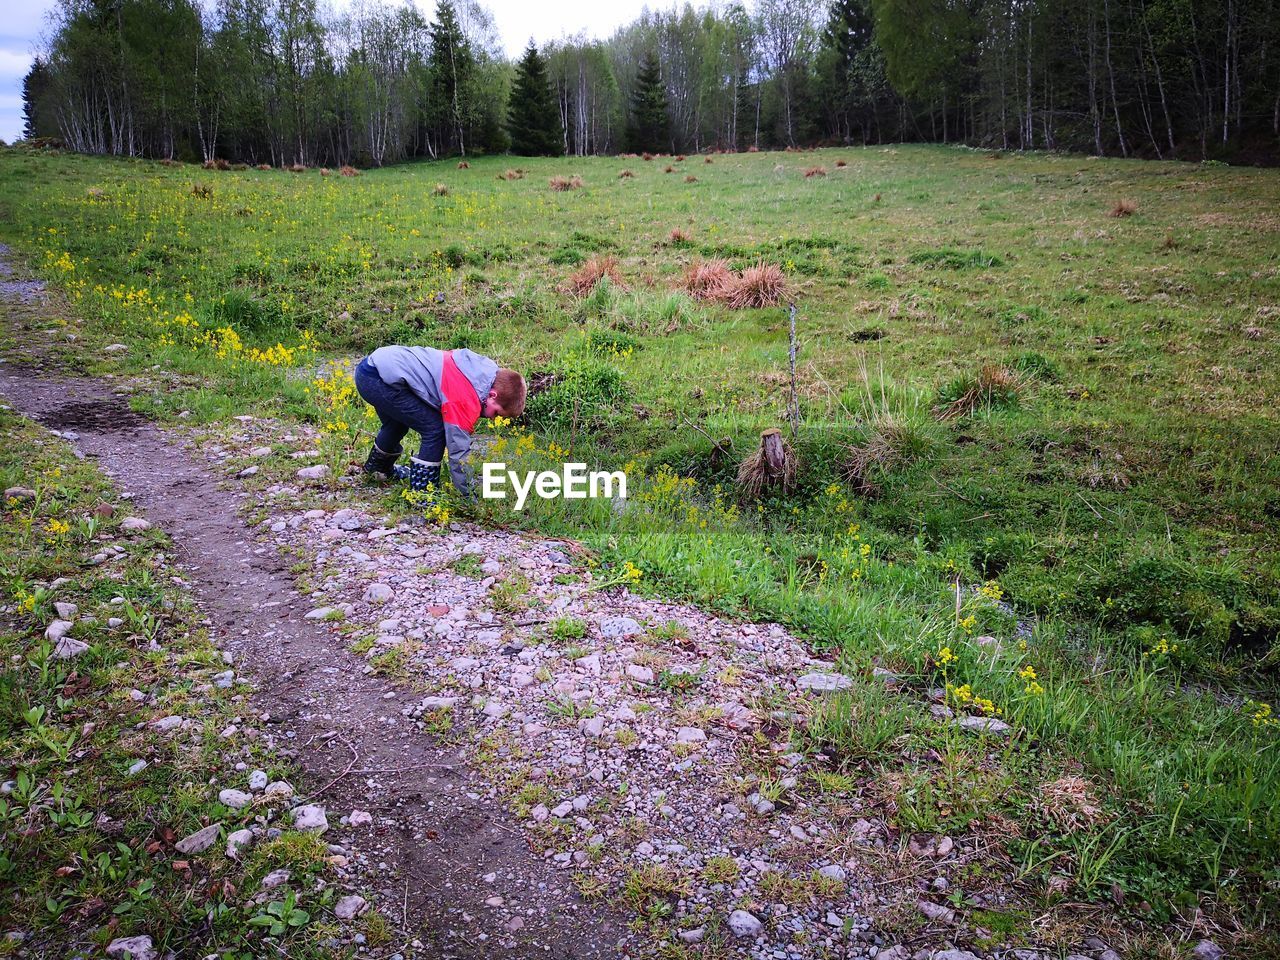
pixel 19 493
pixel 984 725
pixel 58 629
pixel 134 525
pixel 693 936
pixel 65 610
pixel 378 593
pixel 834 871
pixel 237 841
pixel 318 472
pixel 937 912
pixel 744 924
pixel 350 907
pixel 1207 950
pixel 614 627
pixel 824 682
pixel 257 780
pixel 954 955
pixel 639 673
pixel 690 735
pixel 235 799
pixel 199 841
pixel 68 648
pixel 310 817
pixel 136 948
pixel 276 878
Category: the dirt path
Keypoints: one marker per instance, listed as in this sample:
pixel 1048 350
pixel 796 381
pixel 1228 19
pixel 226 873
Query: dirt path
pixel 439 847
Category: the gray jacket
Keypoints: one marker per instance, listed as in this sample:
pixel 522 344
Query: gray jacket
pixel 455 382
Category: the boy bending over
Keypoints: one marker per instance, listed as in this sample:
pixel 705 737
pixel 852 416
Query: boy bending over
pixel 440 394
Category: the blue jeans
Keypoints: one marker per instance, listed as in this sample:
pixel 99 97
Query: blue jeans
pixel 400 410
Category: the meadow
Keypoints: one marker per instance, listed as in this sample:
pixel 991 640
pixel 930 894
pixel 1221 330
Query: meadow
pixel 1037 403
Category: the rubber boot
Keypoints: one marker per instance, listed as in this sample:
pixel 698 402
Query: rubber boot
pixel 424 477
pixel 381 463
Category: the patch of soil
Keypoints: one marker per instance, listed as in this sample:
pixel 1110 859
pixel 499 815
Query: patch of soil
pixel 104 415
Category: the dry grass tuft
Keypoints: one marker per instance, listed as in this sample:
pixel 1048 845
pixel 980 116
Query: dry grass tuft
pixel 440 190
pixel 763 285
pixel 625 174
pixel 201 190
pixel 168 162
pixel 264 166
pixel 512 175
pixel 691 179
pixel 298 168
pixel 348 171
pixel 325 171
pixel 646 155
pixel 1170 242
pixel 679 235
pixel 679 158
pixel 668 169
pixel 708 280
pixel 217 164
pixel 753 149
pixel 842 163
pixel 708 160
pixel 772 466
pixel 815 172
pixel 876 198
pixel 463 165
pixel 96 193
pixel 1069 802
pixel 995 385
pixel 583 280
pixel 884 448
pixel 1124 208
pixel 561 184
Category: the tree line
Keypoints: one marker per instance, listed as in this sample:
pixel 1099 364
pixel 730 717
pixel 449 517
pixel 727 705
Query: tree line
pixel 280 82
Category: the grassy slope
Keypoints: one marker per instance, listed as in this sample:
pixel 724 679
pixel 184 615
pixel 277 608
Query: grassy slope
pixel 1130 499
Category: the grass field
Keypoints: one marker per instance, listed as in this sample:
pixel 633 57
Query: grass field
pixel 1106 496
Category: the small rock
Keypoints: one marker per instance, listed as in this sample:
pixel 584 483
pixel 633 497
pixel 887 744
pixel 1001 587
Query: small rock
pixel 378 593
pixel 639 673
pixel 276 878
pixel 65 610
pixel 954 954
pixel 824 682
pixel 614 627
pixel 744 924
pixel 134 525
pixel 257 780
pixel 359 818
pixel 235 799
pixel 19 493
pixel 199 841
pixel 137 948
pixel 935 911
pixel 115 348
pixel 834 871
pixel 983 725
pixel 1206 950
pixel 58 629
pixel 310 817
pixel 318 472
pixel 68 648
pixel 693 936
pixel 322 613
pixel 690 735
pixel 237 841
pixel 278 790
pixel 350 907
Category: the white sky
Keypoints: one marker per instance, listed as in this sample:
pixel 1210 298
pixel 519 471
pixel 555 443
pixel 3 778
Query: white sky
pixel 23 21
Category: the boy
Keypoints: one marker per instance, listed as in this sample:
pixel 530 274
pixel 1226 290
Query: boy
pixel 440 394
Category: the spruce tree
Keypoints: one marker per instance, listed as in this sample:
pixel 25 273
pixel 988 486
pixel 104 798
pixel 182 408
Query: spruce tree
pixel 533 120
pixel 650 129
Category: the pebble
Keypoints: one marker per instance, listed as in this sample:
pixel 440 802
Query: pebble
pixel 310 817
pixel 990 725
pixel 824 682
pixel 235 799
pixel 134 525
pixel 137 948
pixel 615 627
pixel 318 472
pixel 1207 950
pixel 350 907
pixel 378 593
pixel 276 878
pixel 359 818
pixel 744 924
pixel 199 841
pixel 257 780
pixel 237 841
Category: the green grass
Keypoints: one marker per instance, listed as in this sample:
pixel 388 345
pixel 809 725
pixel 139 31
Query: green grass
pixel 1123 499
pixel 83 839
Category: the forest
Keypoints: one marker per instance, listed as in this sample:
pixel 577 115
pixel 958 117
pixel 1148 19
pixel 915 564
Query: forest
pixel 283 82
